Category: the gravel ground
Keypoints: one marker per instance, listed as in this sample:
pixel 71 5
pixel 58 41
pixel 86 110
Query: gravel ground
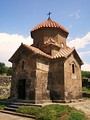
pixel 4 116
pixel 83 106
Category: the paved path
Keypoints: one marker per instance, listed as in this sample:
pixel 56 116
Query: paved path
pixel 83 106
pixel 4 116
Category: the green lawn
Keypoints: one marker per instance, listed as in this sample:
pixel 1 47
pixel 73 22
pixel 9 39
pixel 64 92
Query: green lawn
pixel 87 90
pixel 53 112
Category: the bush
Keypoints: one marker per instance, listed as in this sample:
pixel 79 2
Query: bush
pixel 53 112
pixel 76 115
pixel 2 106
pixel 28 110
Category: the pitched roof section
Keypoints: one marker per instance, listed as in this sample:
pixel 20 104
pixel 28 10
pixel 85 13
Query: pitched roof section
pixel 49 24
pixel 63 53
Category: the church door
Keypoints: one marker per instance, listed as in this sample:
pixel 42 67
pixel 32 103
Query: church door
pixel 21 89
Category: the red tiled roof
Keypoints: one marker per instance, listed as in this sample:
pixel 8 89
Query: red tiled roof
pixel 49 24
pixel 36 50
pixel 61 53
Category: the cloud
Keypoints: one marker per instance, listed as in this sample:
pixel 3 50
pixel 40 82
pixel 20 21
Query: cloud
pixel 9 44
pixel 86 67
pixel 80 42
pixel 84 53
pixel 75 14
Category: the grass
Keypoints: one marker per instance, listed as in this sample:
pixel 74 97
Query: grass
pixel 53 112
pixel 2 106
pixel 87 90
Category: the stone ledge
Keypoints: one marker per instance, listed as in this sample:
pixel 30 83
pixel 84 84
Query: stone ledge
pixel 68 101
pixel 18 114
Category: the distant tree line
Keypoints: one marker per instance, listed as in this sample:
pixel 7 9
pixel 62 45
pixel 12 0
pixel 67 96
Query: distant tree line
pixel 85 74
pixel 5 69
pixel 8 71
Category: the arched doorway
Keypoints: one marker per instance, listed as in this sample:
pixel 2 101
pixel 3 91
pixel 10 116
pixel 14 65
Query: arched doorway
pixel 22 89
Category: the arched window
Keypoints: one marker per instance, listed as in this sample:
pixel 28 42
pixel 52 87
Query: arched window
pixel 23 63
pixel 73 68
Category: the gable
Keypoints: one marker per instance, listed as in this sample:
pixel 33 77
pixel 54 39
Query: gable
pixel 19 54
pixel 76 56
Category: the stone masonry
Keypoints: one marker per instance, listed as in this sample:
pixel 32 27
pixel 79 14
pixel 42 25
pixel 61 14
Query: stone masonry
pixel 47 70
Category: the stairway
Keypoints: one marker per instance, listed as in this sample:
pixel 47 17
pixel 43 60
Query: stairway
pixel 13 106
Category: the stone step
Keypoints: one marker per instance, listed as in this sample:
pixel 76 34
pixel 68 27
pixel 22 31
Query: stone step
pixel 13 106
pixel 18 114
pixel 25 104
pixel 10 109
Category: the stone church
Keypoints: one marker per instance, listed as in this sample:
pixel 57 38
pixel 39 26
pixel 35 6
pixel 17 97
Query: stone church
pixel 48 69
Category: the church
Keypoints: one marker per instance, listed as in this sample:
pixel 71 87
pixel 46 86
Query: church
pixel 48 70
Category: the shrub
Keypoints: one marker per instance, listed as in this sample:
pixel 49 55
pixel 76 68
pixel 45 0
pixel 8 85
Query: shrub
pixel 2 106
pixel 28 110
pixel 77 115
pixel 53 112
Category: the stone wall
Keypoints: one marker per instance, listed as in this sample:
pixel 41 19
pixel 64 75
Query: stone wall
pixel 28 73
pixel 42 85
pixel 73 81
pixel 5 84
pixel 57 80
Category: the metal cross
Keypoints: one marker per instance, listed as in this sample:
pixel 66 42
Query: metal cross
pixel 49 14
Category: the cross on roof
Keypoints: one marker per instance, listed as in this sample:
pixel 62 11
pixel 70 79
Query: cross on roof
pixel 49 15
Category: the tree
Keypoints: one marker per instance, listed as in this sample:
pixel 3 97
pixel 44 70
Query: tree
pixel 9 71
pixel 4 69
pixel 85 74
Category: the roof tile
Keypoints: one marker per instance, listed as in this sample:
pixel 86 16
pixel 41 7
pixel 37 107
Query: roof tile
pixel 61 53
pixel 49 23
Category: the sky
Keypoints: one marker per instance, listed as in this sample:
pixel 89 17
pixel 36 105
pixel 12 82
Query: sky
pixel 18 17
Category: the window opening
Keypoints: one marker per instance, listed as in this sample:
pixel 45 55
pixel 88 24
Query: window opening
pixel 23 64
pixel 73 68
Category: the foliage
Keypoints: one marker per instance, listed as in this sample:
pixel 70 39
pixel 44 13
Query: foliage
pixel 86 90
pixel 76 115
pixel 4 69
pixel 2 106
pixel 53 112
pixel 28 110
pixel 9 71
pixel 85 74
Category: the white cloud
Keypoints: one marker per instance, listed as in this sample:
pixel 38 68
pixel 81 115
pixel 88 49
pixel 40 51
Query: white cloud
pixel 80 42
pixel 76 14
pixel 83 54
pixel 86 67
pixel 9 44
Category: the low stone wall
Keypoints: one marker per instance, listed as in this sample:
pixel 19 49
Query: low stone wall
pixel 5 84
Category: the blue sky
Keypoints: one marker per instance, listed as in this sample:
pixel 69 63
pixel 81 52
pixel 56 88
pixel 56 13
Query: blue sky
pixel 18 17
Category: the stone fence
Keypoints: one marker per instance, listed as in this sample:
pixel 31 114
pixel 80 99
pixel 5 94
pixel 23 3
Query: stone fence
pixel 5 84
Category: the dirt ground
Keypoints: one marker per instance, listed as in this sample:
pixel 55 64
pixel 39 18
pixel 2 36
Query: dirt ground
pixel 4 116
pixel 83 106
